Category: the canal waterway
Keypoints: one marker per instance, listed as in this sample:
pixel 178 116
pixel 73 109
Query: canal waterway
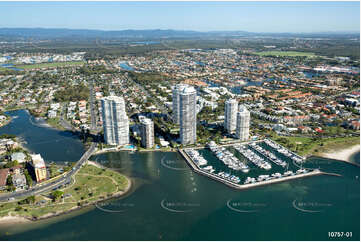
pixel 38 137
pixel 125 66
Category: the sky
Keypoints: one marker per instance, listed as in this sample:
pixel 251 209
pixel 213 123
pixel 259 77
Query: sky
pixel 277 17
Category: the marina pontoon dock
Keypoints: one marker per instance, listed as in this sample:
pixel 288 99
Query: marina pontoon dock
pixel 284 151
pixel 265 180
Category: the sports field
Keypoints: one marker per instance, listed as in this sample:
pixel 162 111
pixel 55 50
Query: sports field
pixel 284 53
pixel 50 64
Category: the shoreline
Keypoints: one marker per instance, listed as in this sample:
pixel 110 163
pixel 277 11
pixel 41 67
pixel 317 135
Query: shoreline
pixel 115 195
pixel 99 152
pixel 13 220
pixel 342 154
pixel 6 122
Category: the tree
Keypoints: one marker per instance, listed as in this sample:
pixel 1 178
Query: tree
pixel 11 164
pixel 28 178
pixel 28 200
pixel 56 195
pixel 11 188
pixel 9 180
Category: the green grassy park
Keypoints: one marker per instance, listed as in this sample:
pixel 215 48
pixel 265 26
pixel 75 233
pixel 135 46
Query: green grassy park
pixel 91 184
pixel 55 123
pixel 285 53
pixel 306 146
pixel 50 65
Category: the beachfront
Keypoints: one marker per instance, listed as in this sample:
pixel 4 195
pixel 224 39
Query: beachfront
pixel 343 155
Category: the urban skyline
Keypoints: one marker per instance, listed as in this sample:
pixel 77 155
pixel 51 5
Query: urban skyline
pixel 179 120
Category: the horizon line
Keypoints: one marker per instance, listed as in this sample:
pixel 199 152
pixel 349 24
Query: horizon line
pixel 170 29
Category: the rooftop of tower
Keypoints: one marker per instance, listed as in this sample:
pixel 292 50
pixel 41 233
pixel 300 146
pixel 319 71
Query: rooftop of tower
pixel 180 86
pixel 146 121
pixel 242 109
pixel 188 90
pixel 114 98
pixel 231 101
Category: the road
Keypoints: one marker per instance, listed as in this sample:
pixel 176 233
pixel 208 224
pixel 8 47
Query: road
pixel 93 125
pixel 64 122
pixel 55 184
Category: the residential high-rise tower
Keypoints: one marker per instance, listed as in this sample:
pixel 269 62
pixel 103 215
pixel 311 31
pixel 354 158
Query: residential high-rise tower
pixel 147 133
pixel 187 115
pixel 175 101
pixel 115 121
pixel 243 120
pixel 230 115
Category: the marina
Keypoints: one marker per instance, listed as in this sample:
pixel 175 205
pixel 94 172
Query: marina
pixel 227 157
pixel 284 151
pixel 265 180
pixel 253 157
pixel 230 163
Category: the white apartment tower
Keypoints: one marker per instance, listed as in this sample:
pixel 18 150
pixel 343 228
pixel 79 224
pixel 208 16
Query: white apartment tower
pixel 175 101
pixel 147 133
pixel 243 120
pixel 230 115
pixel 187 115
pixel 115 121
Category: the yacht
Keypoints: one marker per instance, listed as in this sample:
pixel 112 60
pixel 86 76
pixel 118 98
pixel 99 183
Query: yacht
pixel 299 171
pixel 288 173
pixel 229 177
pixel 284 151
pixel 227 157
pixel 196 157
pixel 268 154
pixel 253 157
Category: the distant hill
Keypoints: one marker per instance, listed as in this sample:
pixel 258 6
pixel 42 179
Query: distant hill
pixel 44 33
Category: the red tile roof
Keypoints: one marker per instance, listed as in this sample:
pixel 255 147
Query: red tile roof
pixel 3 175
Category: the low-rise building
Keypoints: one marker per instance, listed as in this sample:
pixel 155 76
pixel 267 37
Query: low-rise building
pixel 51 114
pixel 39 167
pixel 18 156
pixel 19 181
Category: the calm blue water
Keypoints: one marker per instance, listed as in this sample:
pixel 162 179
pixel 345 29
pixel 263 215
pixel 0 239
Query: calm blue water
pixel 125 66
pixel 205 208
pixel 11 66
pixel 356 158
pixel 311 74
pixel 52 144
pixel 170 202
